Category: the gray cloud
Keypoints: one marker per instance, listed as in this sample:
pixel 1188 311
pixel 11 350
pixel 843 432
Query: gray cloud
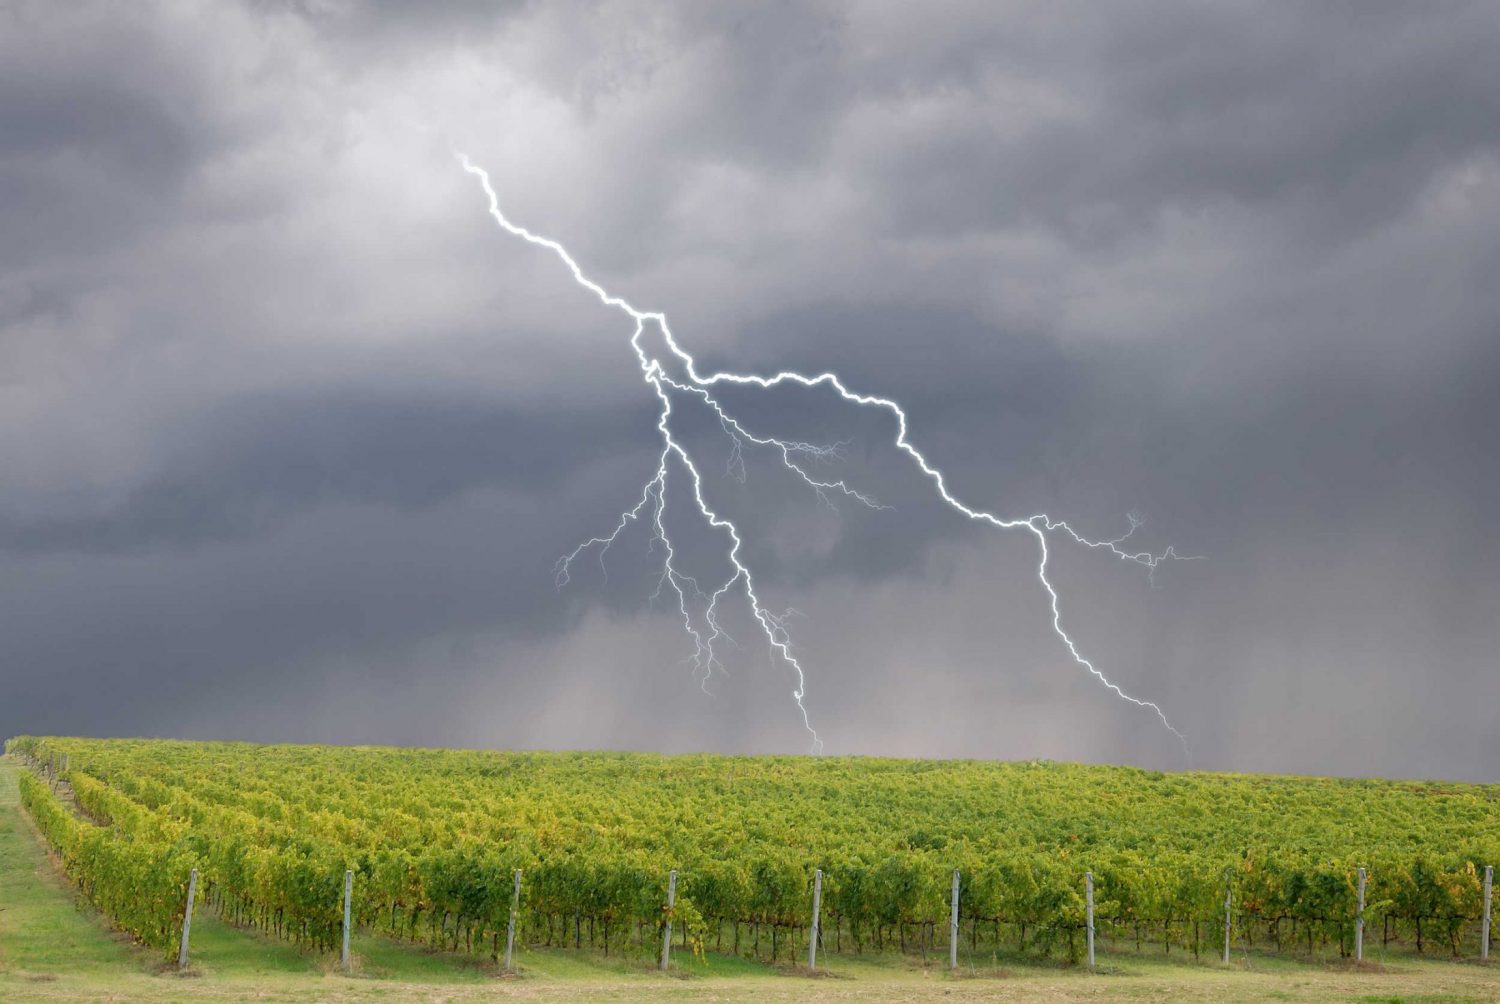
pixel 293 436
pixel 243 467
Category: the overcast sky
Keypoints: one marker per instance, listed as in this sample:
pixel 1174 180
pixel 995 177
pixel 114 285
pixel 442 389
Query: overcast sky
pixel 292 434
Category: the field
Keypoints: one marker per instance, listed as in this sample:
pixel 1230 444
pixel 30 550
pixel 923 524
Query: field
pixel 433 839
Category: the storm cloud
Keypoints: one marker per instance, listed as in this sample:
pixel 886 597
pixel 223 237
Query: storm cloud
pixel 292 435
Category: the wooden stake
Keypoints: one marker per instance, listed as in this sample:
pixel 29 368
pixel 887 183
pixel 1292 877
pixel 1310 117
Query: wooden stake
pixel 348 896
pixel 1088 897
pixel 1489 885
pixel 187 920
pixel 510 927
pixel 666 938
pixel 812 943
pixel 953 926
pixel 1228 903
pixel 1359 921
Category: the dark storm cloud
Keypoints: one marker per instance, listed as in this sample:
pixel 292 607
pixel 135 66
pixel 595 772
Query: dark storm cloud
pixel 239 470
pixel 292 436
pixel 1338 118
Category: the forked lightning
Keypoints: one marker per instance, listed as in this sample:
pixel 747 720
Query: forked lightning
pixel 699 606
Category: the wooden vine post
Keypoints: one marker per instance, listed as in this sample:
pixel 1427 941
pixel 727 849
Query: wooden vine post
pixel 812 943
pixel 1489 886
pixel 953 926
pixel 1228 923
pixel 348 896
pixel 1359 920
pixel 187 920
pixel 510 927
pixel 666 937
pixel 1088 898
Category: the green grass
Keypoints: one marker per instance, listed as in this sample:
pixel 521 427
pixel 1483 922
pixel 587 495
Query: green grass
pixel 217 949
pixel 1417 999
pixel 42 929
pixel 383 959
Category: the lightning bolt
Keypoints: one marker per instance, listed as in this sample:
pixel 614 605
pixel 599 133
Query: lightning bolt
pixel 698 608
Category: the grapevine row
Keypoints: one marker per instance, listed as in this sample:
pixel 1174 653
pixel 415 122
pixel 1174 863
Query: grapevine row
pixel 434 837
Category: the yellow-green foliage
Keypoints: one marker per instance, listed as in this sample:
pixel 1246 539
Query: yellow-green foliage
pixel 434 837
pixel 137 877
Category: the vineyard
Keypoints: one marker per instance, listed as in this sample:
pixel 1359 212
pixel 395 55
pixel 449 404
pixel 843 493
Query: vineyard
pixel 434 837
